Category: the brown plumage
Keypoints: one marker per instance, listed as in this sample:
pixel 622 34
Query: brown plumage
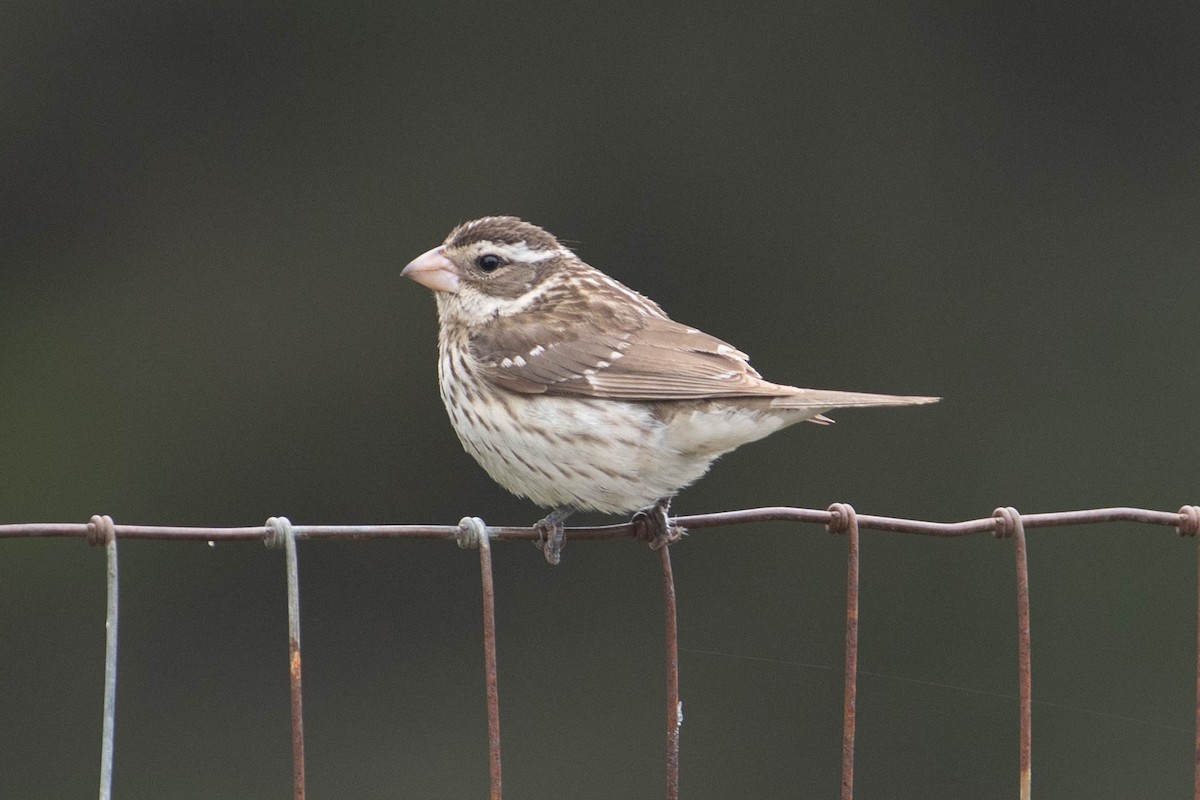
pixel 576 391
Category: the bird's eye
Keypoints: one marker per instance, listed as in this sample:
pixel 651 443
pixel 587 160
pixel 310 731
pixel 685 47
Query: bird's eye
pixel 489 262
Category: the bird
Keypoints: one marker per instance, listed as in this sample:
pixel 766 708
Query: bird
pixel 580 394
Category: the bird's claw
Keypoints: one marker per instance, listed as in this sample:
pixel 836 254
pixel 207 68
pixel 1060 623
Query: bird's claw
pixel 654 526
pixel 552 536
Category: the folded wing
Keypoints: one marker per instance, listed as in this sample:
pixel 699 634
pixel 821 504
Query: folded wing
pixel 639 358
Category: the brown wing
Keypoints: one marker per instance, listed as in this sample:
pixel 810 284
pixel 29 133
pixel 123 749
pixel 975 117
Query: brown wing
pixel 635 357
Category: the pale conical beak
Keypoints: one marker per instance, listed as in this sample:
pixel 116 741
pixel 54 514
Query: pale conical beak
pixel 434 270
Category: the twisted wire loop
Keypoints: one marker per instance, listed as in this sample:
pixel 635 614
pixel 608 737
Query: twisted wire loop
pixel 279 533
pixel 101 530
pixel 1189 521
pixel 471 532
pixel 841 517
pixel 1010 525
pixel 1008 519
pixel 844 520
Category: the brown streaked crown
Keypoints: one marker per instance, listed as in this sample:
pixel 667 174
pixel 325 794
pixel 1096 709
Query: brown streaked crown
pixel 503 230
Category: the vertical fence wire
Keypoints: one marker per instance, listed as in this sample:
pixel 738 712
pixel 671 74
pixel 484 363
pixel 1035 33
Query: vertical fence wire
pixel 294 671
pixel 674 704
pixel 474 533
pixel 843 519
pixel 1024 654
pixel 281 534
pixel 493 686
pixel 1010 524
pixel 1189 525
pixel 102 530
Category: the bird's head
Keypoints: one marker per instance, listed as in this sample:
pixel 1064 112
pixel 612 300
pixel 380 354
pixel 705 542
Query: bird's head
pixel 488 267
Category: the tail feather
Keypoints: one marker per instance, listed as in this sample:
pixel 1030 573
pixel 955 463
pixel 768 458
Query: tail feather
pixel 826 399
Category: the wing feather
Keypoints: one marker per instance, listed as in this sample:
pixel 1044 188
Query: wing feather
pixel 646 358
pixel 639 357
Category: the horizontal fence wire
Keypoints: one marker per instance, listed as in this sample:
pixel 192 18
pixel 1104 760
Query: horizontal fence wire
pixel 472 532
pixel 1172 519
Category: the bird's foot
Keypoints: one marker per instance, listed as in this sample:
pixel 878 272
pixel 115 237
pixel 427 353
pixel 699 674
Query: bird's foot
pixel 552 536
pixel 654 525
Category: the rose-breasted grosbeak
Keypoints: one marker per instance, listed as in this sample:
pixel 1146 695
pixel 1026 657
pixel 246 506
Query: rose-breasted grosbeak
pixel 577 392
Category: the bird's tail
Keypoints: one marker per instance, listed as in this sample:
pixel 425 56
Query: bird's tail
pixel 821 400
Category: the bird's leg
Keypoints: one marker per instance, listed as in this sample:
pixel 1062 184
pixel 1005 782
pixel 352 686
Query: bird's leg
pixel 654 525
pixel 551 535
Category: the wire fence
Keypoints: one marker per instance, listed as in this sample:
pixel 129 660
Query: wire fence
pixel 473 533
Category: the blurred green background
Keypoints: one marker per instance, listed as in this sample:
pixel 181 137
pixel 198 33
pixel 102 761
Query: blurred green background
pixel 204 208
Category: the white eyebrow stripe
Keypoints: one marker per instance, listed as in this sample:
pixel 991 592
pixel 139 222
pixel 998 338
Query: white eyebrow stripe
pixel 522 252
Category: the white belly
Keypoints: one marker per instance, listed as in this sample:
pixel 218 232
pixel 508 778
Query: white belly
pixel 602 455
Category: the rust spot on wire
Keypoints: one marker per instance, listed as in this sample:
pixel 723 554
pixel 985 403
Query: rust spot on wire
pixel 297 720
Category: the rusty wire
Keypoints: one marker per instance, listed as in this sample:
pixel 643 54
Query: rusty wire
pixel 674 704
pixel 1005 522
pixel 1178 520
pixel 843 519
pixel 280 534
pixel 1009 524
pixel 1189 525
pixel 474 533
